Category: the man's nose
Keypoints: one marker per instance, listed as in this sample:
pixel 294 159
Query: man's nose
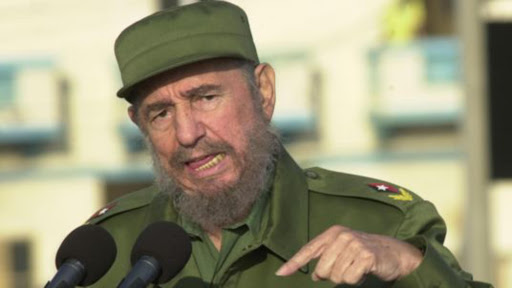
pixel 189 129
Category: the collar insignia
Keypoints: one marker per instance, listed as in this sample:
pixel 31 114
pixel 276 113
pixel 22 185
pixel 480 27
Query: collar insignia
pixel 102 211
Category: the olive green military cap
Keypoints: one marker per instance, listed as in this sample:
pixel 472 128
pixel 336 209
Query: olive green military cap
pixel 183 35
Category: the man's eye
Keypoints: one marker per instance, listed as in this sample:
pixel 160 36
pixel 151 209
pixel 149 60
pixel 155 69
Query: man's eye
pixel 160 120
pixel 206 102
pixel 162 114
pixel 208 98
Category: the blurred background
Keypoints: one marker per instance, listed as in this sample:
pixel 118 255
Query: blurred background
pixel 411 91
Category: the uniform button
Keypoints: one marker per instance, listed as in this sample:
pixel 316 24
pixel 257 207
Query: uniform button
pixel 311 174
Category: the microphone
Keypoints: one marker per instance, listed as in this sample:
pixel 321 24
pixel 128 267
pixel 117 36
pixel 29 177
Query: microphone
pixel 159 253
pixel 84 257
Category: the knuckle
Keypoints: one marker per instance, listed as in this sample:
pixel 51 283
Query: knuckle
pixel 346 236
pixel 352 280
pixel 357 276
pixel 368 256
pixel 321 272
pixel 336 278
pixel 336 229
pixel 307 250
pixel 355 244
pixel 294 261
pixel 304 255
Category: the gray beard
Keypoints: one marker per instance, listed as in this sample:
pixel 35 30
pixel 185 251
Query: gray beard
pixel 229 204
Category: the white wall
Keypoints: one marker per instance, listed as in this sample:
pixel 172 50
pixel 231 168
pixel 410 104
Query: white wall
pixel 44 211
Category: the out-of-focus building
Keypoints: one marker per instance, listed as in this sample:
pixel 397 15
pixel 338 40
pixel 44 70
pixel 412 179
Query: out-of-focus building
pixel 349 98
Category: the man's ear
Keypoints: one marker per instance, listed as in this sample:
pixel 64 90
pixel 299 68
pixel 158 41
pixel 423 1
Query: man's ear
pixel 133 115
pixel 266 82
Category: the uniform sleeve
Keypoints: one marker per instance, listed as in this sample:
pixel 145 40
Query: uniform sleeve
pixel 425 229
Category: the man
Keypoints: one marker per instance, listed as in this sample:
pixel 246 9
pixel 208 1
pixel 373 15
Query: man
pixel 204 103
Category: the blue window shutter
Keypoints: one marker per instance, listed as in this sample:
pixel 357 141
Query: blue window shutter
pixel 7 78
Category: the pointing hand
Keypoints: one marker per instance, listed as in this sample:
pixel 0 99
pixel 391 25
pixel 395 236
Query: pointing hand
pixel 347 256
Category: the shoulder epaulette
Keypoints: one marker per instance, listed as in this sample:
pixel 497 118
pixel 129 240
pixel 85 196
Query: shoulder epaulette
pixel 124 203
pixel 348 185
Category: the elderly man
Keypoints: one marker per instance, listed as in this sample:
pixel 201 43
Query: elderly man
pixel 204 103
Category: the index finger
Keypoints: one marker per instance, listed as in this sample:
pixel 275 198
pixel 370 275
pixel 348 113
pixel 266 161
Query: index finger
pixel 311 251
pixel 308 252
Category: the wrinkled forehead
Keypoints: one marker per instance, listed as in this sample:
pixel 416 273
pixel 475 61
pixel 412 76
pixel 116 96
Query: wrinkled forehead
pixel 190 71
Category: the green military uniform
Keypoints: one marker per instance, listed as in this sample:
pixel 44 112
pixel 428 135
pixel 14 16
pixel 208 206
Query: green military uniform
pixel 301 204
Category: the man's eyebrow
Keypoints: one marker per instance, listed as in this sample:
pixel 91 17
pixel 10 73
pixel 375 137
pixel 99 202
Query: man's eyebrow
pixel 196 91
pixel 202 90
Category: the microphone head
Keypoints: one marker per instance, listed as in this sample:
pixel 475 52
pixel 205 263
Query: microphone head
pixel 93 247
pixel 168 243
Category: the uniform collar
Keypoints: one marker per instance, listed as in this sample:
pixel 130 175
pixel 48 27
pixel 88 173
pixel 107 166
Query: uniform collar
pixel 288 229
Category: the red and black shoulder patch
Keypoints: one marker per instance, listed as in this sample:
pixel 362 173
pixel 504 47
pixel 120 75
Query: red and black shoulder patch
pixel 397 193
pixel 382 187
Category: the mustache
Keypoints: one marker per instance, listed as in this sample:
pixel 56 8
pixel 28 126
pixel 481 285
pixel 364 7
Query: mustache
pixel 203 147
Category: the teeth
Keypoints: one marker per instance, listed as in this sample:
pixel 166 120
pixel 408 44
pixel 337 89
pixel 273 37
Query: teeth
pixel 212 162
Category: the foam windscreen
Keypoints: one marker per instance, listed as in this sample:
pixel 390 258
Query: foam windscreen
pixel 93 247
pixel 168 243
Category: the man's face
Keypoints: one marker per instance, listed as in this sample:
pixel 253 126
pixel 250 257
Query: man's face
pixel 198 120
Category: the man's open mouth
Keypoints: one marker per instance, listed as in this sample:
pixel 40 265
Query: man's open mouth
pixel 206 162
